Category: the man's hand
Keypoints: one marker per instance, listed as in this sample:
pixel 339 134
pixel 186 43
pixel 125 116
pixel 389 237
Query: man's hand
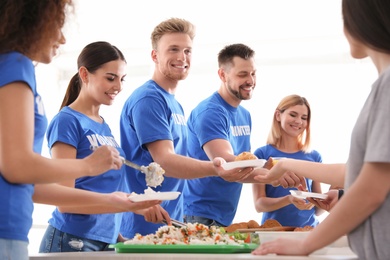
pixel 233 175
pixel 155 214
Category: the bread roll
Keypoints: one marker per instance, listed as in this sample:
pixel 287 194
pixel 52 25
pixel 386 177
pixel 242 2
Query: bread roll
pixel 245 156
pixel 305 228
pixel 253 224
pixel 270 223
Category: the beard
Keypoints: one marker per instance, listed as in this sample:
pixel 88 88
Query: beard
pixel 237 93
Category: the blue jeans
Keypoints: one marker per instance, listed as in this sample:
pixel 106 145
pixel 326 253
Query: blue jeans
pixel 202 220
pixel 13 249
pixel 55 240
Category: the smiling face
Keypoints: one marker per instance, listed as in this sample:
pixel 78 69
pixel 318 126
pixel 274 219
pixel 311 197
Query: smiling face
pixel 106 82
pixel 173 56
pixel 49 48
pixel 293 120
pixel 239 78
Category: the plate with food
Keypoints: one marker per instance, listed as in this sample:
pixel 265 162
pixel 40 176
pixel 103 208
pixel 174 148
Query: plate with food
pixel 153 195
pixel 303 194
pixel 243 160
pixel 243 164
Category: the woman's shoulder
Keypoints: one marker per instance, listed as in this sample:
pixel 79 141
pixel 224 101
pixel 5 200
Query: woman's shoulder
pixel 15 66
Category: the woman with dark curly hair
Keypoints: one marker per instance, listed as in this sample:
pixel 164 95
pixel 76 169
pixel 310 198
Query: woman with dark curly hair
pixel 30 31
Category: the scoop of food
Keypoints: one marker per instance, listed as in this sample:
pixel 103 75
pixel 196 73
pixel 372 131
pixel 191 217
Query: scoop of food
pixel 154 174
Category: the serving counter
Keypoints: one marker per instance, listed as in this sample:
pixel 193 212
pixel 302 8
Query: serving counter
pixel 341 253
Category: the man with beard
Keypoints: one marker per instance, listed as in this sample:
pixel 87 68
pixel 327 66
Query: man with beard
pixel 153 127
pixel 220 126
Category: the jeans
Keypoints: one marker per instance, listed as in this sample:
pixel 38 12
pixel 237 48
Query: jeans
pixel 55 240
pixel 13 249
pixel 202 220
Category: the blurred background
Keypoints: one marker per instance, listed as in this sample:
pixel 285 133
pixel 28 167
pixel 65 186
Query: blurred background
pixel 300 49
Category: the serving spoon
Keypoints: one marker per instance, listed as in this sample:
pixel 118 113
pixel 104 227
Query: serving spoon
pixel 153 172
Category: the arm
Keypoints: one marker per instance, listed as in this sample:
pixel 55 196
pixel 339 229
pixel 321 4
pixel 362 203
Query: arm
pixel 329 202
pixel 86 202
pixel 20 164
pixel 345 217
pixel 184 167
pixel 222 148
pixel 219 148
pixel 265 204
pixel 327 173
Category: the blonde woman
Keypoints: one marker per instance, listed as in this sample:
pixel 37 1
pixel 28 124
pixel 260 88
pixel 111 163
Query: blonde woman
pixel 289 137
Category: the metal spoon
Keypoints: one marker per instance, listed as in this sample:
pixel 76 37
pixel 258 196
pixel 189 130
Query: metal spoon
pixel 153 173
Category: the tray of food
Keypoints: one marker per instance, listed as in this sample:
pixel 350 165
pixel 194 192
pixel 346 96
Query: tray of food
pixel 192 238
pixel 195 249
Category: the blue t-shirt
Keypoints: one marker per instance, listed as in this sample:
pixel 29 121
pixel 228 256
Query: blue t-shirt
pixel 148 115
pixel 16 205
pixel 289 215
pixel 76 129
pixel 214 118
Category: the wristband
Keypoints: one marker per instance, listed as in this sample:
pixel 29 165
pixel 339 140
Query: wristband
pixel 341 193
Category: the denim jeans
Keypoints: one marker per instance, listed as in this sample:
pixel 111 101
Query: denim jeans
pixel 202 220
pixel 13 249
pixel 55 240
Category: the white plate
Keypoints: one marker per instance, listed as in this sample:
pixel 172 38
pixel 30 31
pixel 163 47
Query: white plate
pixel 243 164
pixel 155 196
pixel 304 194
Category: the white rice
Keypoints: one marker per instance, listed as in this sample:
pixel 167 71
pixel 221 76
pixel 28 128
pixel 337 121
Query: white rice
pixel 192 234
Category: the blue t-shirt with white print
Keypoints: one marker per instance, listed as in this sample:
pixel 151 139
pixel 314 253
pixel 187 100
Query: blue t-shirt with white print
pixel 214 118
pixel 151 114
pixel 78 130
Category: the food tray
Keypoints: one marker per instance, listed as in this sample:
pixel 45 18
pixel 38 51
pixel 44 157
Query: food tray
pixel 194 249
pixel 283 228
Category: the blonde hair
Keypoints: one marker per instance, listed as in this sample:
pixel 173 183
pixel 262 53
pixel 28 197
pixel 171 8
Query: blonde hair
pixel 172 25
pixel 275 135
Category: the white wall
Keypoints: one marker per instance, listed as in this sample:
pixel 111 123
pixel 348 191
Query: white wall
pixel 300 49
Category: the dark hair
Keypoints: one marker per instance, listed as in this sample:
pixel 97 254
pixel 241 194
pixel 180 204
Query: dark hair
pixel 226 55
pixel 26 24
pixel 92 57
pixel 368 21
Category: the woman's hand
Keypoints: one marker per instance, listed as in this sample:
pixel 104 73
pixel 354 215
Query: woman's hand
pixel 281 246
pixel 121 200
pixel 328 203
pixel 103 158
pixel 300 204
